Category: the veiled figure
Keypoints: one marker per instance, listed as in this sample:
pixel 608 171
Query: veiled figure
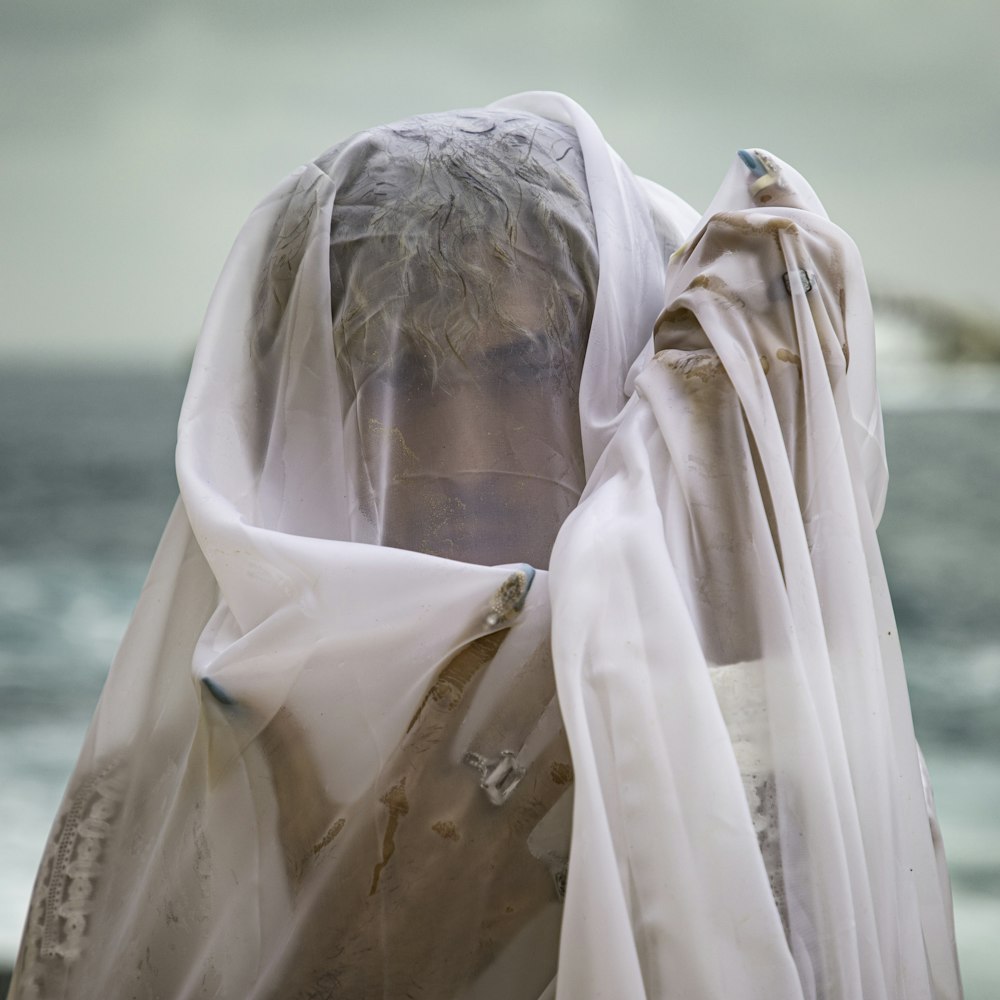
pixel 520 631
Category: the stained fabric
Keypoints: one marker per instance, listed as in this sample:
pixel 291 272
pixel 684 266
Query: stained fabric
pixel 520 630
pixel 722 631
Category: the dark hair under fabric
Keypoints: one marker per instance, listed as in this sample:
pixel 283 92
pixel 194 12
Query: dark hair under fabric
pixel 441 218
pixel 463 272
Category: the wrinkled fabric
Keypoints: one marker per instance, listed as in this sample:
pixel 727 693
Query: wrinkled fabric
pixel 329 760
pixel 463 277
pixel 722 629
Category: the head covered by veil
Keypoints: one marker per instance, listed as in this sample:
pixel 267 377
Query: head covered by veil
pixel 477 417
pixel 463 276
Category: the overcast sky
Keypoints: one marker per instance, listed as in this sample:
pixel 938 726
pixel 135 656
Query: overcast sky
pixel 136 138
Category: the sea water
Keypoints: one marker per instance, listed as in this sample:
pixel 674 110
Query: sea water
pixel 86 484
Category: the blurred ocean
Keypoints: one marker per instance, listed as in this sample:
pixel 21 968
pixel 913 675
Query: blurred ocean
pixel 87 484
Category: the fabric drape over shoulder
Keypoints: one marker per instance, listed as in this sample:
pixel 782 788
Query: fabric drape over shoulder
pixel 721 626
pixel 521 629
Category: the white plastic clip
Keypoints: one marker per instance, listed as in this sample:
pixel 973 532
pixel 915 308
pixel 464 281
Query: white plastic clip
pixel 509 597
pixel 805 281
pixel 498 778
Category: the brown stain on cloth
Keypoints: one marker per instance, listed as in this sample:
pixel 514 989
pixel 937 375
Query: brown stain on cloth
pixel 396 802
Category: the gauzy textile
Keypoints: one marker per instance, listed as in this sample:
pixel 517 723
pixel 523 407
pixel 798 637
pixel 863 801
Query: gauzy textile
pixel 478 417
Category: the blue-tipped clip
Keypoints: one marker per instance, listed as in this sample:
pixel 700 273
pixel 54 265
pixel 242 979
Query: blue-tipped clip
pixel 218 693
pixel 529 572
pixel 510 596
pixel 751 162
pixel 763 175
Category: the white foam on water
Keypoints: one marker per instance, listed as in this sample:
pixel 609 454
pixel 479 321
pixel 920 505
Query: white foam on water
pixel 915 385
pixel 977 925
pixel 967 790
pixel 912 377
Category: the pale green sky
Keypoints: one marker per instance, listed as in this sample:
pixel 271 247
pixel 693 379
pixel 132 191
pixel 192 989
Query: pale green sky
pixel 134 140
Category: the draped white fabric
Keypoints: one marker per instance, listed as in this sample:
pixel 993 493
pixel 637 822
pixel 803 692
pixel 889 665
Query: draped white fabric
pixel 306 717
pixel 731 524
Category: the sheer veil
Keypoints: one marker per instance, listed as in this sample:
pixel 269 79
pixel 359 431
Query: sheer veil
pixel 477 418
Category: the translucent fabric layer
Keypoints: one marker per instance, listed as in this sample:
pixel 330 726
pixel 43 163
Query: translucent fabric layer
pixel 464 272
pixel 329 760
pixel 723 638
